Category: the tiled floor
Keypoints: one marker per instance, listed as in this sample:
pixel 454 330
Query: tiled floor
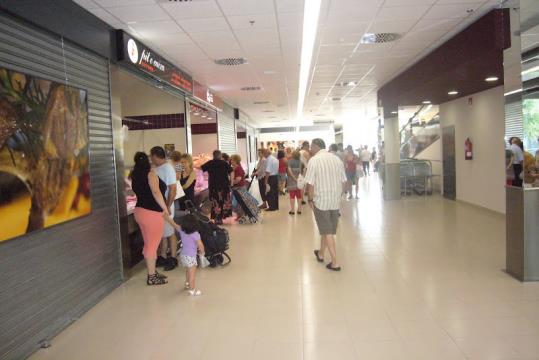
pixel 422 279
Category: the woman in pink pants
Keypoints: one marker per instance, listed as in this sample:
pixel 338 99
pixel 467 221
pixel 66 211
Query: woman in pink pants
pixel 150 212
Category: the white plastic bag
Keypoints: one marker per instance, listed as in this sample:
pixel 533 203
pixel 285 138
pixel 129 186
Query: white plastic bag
pixel 179 191
pixel 203 262
pixel 255 191
pixel 301 182
pixel 360 172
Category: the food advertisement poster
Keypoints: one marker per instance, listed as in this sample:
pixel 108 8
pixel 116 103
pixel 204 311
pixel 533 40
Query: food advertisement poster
pixel 169 149
pixel 44 163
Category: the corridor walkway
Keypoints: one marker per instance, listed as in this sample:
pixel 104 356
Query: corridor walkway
pixel 422 279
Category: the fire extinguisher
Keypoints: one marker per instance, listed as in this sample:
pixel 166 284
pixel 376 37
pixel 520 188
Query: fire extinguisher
pixel 468 149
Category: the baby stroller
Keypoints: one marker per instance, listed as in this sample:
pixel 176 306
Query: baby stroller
pixel 247 206
pixel 215 239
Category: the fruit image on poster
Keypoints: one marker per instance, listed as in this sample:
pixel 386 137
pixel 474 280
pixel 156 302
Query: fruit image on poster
pixel 44 162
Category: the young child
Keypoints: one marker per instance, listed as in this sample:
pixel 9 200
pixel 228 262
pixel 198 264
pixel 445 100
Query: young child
pixel 188 256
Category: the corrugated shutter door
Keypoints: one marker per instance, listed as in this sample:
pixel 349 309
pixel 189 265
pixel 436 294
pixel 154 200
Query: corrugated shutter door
pixel 227 134
pixel 513 120
pixel 51 277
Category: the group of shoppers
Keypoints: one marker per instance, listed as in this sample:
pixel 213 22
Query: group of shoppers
pixel 522 167
pixel 169 184
pixel 156 191
pixel 311 171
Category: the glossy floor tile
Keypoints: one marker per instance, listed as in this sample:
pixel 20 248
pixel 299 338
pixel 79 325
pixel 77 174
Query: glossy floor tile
pixel 422 279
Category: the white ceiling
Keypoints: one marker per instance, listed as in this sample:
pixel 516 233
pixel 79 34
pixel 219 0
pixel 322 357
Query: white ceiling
pixel 193 34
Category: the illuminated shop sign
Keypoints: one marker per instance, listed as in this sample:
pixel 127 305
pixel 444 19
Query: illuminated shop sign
pixel 134 53
pixel 205 94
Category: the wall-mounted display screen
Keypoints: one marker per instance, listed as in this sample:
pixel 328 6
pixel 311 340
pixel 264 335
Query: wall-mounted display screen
pixel 44 162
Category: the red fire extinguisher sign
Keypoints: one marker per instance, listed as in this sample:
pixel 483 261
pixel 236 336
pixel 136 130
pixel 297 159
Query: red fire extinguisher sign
pixel 468 149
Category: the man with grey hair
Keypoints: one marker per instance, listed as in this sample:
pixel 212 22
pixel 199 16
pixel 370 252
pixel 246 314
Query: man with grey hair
pixel 326 181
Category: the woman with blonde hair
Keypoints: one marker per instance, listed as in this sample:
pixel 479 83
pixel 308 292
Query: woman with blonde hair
pixel 187 179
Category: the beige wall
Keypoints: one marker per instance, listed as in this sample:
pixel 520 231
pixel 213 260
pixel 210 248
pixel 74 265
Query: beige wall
pixel 138 99
pixel 204 143
pixel 144 140
pixel 142 99
pixel 479 181
pixel 242 151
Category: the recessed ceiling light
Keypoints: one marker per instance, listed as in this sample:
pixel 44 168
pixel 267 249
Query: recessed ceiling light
pixel 426 102
pixel 231 61
pixel 491 78
pixel 250 88
pixel 394 112
pixel 311 14
pixel 453 92
pixel 379 38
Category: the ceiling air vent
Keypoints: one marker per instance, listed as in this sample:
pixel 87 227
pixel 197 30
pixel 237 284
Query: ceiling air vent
pixel 261 102
pixel 336 99
pixel 231 61
pixel 178 1
pixel 379 38
pixel 268 111
pixel 250 88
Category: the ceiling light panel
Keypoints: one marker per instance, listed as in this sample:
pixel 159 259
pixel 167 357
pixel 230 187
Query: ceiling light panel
pixel 400 13
pixel 396 26
pixel 261 21
pixel 436 25
pixel 192 10
pixel 115 3
pixel 288 6
pixel 245 7
pixel 206 25
pixel 451 11
pixel 154 29
pixel 359 13
pixel 139 13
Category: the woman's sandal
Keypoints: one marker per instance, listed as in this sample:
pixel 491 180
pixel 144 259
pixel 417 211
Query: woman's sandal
pixel 155 279
pixel 317 253
pixel 291 213
pixel 330 267
pixel 160 275
pixel 299 212
pixel 195 292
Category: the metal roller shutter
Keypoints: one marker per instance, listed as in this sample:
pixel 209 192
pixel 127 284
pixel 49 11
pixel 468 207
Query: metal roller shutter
pixel 51 277
pixel 227 133
pixel 513 120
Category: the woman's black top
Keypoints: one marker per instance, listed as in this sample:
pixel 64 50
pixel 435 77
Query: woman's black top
pixel 141 187
pixel 189 192
pixel 219 175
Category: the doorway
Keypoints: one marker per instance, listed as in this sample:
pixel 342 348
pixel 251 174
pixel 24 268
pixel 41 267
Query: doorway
pixel 449 166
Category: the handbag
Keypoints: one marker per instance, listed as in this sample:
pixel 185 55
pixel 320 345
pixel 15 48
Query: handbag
pixel 179 190
pixel 203 262
pixel 300 182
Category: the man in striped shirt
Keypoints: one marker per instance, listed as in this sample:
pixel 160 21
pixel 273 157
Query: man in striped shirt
pixel 326 181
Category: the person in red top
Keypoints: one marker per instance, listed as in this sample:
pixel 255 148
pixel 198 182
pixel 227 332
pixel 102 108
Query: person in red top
pixel 238 174
pixel 351 160
pixel 283 166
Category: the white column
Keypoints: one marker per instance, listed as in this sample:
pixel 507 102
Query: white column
pixel 392 159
